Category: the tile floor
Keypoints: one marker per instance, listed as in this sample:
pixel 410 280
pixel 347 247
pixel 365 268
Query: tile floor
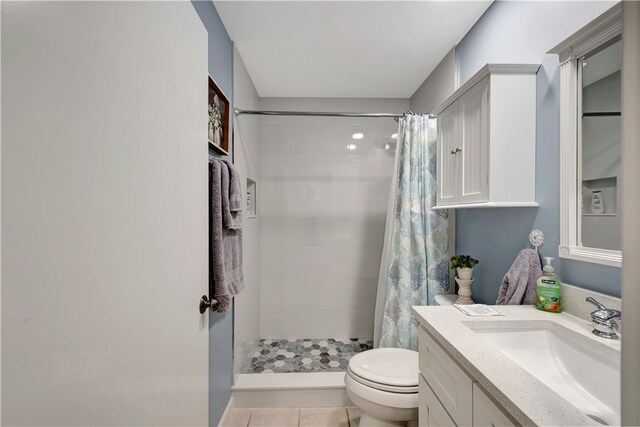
pixel 294 417
pixel 306 355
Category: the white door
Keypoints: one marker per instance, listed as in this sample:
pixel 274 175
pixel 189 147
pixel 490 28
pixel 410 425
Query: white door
pixel 474 110
pixel 630 212
pixel 448 149
pixel 104 214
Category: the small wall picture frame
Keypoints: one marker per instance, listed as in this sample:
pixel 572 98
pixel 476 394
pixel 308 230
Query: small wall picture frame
pixel 218 126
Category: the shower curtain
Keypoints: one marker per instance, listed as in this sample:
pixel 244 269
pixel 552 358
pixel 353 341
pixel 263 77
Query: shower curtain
pixel 415 260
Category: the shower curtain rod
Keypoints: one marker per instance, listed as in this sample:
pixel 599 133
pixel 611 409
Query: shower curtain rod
pixel 239 112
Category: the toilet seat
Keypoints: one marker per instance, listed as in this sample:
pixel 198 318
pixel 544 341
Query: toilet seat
pixel 360 393
pixel 392 370
pixel 380 386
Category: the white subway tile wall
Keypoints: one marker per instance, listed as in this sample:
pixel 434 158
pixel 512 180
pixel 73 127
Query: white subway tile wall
pixel 323 202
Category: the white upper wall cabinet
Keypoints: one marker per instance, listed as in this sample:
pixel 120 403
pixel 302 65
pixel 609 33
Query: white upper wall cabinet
pixel 487 140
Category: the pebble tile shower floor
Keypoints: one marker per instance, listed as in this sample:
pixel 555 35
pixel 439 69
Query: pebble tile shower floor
pixel 306 355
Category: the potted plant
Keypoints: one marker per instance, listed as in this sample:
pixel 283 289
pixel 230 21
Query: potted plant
pixel 464 265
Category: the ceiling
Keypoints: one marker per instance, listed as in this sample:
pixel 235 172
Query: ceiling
pixel 345 49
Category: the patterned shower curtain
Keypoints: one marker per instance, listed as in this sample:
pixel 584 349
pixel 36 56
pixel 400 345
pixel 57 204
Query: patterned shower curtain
pixel 415 264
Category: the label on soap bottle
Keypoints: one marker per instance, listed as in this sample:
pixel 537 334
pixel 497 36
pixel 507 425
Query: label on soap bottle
pixel 548 294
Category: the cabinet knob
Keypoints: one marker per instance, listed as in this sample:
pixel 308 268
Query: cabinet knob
pixel 456 151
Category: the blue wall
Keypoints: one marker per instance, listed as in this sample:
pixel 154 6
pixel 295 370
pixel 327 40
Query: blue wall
pixel 220 324
pixel 522 32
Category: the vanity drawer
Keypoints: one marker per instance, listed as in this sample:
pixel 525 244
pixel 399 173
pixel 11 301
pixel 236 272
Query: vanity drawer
pixel 431 413
pixel 449 382
pixel 486 412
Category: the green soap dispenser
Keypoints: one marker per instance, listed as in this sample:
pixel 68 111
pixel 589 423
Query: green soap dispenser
pixel 548 290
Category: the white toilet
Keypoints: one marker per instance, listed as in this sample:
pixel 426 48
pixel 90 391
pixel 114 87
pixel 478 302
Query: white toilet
pixel 445 299
pixel 383 383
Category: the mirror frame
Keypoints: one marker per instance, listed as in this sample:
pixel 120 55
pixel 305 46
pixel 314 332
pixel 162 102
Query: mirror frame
pixel 598 32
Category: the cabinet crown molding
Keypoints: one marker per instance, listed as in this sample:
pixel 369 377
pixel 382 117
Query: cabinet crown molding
pixel 482 73
pixel 600 30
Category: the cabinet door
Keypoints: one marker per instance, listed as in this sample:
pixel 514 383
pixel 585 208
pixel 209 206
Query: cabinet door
pixel 447 379
pixel 485 412
pixel 448 164
pixel 474 157
pixel 431 413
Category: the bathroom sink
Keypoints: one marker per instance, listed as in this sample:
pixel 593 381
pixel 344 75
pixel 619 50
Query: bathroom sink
pixel 582 370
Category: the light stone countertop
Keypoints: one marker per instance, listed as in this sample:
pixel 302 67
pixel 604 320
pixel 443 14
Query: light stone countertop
pixel 528 400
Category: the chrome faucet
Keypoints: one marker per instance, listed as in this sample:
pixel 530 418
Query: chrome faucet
pixel 603 319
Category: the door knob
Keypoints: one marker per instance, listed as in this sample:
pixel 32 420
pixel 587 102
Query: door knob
pixel 456 151
pixel 206 303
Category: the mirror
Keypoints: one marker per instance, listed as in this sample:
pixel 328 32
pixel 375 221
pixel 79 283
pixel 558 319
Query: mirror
pixel 599 147
pixel 590 141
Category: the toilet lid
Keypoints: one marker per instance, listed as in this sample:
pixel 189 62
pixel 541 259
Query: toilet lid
pixel 387 366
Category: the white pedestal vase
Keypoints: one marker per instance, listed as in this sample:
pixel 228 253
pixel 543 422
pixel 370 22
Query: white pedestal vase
pixel 464 291
pixel 465 273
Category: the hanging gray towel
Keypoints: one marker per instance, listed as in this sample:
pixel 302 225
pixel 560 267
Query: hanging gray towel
pixel 231 204
pixel 225 265
pixel 519 284
pixel 235 191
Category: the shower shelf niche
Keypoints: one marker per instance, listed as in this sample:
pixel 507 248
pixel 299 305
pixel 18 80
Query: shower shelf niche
pixel 608 186
pixel 251 199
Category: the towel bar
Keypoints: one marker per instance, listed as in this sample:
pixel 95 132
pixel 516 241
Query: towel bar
pixel 206 303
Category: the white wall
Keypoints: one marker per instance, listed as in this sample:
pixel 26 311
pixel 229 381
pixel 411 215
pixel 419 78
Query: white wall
pixel 322 212
pixel 246 317
pixel 437 87
pixel 104 214
pixel 522 32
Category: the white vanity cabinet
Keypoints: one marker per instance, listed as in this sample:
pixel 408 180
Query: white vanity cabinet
pixel 449 382
pixel 487 140
pixel 431 413
pixel 486 412
pixel 448 395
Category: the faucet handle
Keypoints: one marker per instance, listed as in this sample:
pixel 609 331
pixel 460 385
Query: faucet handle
pixel 596 303
pixel 603 312
pixel 606 314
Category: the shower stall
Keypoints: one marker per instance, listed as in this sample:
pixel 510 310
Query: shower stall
pixel 321 192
